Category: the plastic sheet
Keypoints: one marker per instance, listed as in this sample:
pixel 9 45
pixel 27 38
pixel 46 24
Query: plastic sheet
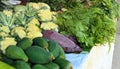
pixel 77 60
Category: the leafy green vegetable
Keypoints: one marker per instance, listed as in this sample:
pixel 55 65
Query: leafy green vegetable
pixel 91 25
pixel 7 18
pixel 110 7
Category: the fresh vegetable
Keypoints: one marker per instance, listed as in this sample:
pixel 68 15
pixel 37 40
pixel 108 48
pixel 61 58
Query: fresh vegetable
pixel 7 60
pixel 33 29
pixel 28 55
pixel 40 42
pixel 21 65
pixel 63 63
pixel 4 29
pixel 25 43
pixel 5 66
pixel 45 13
pixel 15 52
pixel 33 22
pixel 27 21
pixel 1 55
pixel 38 66
pixel 57 5
pixel 49 26
pixel 7 18
pixel 61 53
pixel 19 8
pixel 39 55
pixel 90 22
pixel 4 43
pixel 34 34
pixel 18 32
pixel 52 65
pixel 67 44
pixel 53 48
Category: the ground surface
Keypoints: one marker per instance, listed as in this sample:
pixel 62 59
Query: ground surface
pixel 116 55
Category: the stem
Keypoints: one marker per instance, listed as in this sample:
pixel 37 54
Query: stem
pixel 12 21
pixel 9 20
pixel 4 20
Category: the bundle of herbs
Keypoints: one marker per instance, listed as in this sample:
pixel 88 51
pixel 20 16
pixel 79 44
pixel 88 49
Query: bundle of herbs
pixel 92 22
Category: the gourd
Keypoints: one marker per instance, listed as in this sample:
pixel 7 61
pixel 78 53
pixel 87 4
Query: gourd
pixel 15 52
pixel 38 66
pixel 39 55
pixel 52 65
pixel 5 66
pixel 61 53
pixel 53 48
pixel 25 43
pixel 63 63
pixel 21 65
pixel 40 41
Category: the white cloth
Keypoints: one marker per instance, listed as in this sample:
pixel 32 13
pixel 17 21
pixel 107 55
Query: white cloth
pixel 100 57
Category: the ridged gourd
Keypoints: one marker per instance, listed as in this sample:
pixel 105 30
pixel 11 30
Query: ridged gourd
pixel 63 63
pixel 61 53
pixel 40 41
pixel 38 66
pixel 21 65
pixel 39 55
pixel 25 43
pixel 15 52
pixel 7 60
pixel 53 48
pixel 52 65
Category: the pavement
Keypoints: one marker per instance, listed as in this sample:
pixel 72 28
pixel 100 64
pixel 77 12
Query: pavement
pixel 116 55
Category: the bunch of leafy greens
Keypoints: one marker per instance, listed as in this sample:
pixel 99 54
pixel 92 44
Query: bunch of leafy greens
pixel 91 22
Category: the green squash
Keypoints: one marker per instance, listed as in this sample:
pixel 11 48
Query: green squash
pixel 63 63
pixel 39 55
pixel 21 65
pixel 61 53
pixel 53 48
pixel 5 66
pixel 52 65
pixel 15 52
pixel 40 41
pixel 38 66
pixel 25 43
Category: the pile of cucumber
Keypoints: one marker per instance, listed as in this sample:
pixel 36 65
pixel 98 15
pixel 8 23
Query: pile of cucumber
pixel 39 53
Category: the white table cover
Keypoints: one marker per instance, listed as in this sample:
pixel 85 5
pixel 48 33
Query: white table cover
pixel 100 57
